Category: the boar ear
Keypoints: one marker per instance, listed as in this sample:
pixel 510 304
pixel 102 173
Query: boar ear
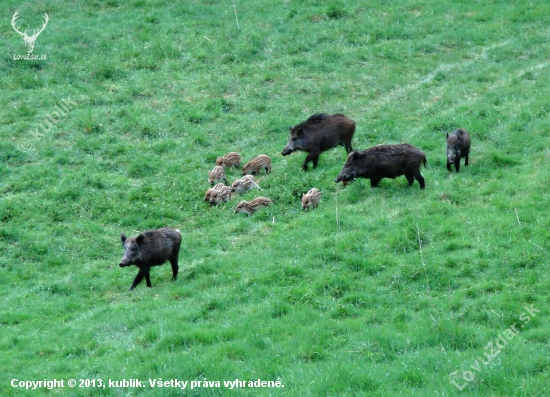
pixel 139 239
pixel 290 128
pixel 447 134
pixel 122 238
pixel 353 155
pixel 299 132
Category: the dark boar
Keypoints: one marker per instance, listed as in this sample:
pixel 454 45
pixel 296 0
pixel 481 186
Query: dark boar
pixel 320 133
pixel 384 161
pixel 151 248
pixel 458 146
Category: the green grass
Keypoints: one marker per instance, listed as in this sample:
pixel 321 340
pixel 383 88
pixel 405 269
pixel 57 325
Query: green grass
pixel 380 292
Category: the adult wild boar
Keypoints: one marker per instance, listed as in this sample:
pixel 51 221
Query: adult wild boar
pixel 320 133
pixel 458 146
pixel 151 248
pixel 384 161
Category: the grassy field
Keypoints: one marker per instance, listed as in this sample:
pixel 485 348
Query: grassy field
pixel 394 291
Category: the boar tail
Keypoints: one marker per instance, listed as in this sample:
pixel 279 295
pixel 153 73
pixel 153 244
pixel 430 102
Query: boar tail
pixel 425 162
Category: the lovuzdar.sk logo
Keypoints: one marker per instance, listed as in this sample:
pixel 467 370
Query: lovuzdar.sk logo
pixel 29 38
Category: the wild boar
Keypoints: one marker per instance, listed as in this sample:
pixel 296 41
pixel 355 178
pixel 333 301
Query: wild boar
pixel 220 195
pixel 231 159
pixel 311 199
pixel 208 193
pixel 320 133
pixel 259 163
pixel 384 161
pixel 244 184
pixel 151 248
pixel 458 146
pixel 216 175
pixel 249 207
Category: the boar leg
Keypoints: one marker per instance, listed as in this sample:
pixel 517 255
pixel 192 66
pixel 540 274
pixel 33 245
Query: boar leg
pixel 313 157
pixel 348 147
pixel 315 160
pixel 418 176
pixel 448 165
pixel 138 279
pixel 466 158
pixel 175 267
pixel 410 179
pixel 457 164
pixel 306 161
pixel 374 182
pixel 147 278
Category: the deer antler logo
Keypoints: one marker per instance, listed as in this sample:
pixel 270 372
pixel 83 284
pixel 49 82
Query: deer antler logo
pixel 29 40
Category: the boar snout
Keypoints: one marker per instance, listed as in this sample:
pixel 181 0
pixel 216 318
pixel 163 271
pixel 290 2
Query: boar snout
pixel 345 177
pixel 452 155
pixel 286 151
pixel 125 262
